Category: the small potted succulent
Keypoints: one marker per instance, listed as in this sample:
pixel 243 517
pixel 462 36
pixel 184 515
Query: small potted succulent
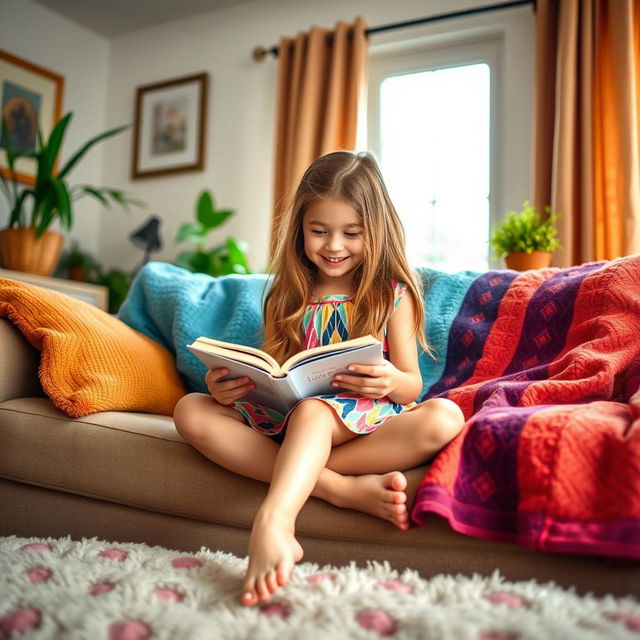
pixel 526 239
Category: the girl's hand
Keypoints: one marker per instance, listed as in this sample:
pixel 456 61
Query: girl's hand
pixel 228 391
pixel 372 380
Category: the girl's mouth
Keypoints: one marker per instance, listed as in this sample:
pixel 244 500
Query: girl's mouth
pixel 334 261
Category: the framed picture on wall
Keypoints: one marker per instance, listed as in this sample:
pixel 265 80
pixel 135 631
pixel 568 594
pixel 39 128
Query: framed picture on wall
pixel 31 99
pixel 169 127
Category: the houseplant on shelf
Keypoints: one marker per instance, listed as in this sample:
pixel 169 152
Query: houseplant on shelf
pixel 526 239
pixel 78 264
pixel 226 258
pixel 28 243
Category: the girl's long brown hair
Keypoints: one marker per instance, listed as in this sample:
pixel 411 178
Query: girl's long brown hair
pixel 356 180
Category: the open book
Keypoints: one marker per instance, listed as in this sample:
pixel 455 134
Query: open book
pixel 308 373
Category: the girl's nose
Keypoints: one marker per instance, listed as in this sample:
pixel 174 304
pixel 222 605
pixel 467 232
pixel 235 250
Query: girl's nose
pixel 334 242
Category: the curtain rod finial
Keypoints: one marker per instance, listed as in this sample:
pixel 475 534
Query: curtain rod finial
pixel 259 53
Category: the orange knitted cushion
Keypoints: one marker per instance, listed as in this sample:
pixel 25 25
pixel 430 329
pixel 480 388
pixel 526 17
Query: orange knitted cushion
pixel 91 361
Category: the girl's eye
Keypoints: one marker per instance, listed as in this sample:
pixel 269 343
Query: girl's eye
pixel 351 234
pixel 317 232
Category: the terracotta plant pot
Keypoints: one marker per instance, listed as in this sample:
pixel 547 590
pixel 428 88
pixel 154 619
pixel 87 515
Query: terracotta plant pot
pixel 20 250
pixel 523 261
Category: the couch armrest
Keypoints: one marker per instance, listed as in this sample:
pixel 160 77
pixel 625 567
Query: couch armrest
pixel 18 365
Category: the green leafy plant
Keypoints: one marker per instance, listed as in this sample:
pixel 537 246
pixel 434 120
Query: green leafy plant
pixel 222 259
pixel 77 264
pixel 51 196
pixel 527 231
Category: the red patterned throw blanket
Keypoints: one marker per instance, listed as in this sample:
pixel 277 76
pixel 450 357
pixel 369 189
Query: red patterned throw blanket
pixel 546 367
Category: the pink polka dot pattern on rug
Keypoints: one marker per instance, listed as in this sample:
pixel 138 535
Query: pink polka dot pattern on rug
pixel 100 587
pixel 394 585
pixel 510 600
pixel 186 562
pixel 36 546
pixel 114 554
pixel 18 621
pixel 629 620
pixel 129 630
pixel 38 574
pixel 320 577
pixel 274 610
pixel 377 621
pixel 168 595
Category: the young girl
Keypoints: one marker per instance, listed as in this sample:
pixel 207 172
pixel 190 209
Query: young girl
pixel 339 271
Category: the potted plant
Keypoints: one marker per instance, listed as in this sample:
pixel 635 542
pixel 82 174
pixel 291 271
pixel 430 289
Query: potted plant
pixel 77 264
pixel 526 239
pixel 226 258
pixel 28 243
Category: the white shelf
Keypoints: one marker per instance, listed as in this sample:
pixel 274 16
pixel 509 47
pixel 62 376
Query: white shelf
pixel 94 294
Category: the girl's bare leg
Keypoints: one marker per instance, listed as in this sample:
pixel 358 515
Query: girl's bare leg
pixel 315 438
pixel 360 474
pixel 219 433
pixel 402 442
pixel 313 428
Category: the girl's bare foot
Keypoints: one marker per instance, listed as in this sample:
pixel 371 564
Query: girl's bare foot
pixel 273 550
pixel 383 496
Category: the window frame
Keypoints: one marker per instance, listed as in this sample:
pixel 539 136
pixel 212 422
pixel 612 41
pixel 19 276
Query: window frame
pixel 488 49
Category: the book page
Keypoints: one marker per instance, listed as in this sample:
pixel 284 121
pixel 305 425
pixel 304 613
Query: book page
pixel 314 376
pixel 316 352
pixel 270 391
pixel 240 352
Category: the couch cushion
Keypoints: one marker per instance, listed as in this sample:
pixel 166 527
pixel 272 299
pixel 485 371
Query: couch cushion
pixel 90 360
pixel 139 460
pixel 19 371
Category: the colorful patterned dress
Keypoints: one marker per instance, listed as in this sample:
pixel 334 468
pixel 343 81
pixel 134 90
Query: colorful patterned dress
pixel 326 321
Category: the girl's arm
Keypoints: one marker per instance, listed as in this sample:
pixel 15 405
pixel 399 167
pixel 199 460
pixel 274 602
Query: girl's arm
pixel 399 378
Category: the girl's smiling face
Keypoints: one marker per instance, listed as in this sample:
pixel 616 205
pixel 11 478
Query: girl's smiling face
pixel 333 241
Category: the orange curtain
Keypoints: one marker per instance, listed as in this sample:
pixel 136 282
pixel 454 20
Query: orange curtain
pixel 321 89
pixel 587 141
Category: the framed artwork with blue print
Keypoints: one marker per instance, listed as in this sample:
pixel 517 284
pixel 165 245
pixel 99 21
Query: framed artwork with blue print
pixel 30 101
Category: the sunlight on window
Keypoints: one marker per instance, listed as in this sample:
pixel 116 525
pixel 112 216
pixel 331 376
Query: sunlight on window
pixel 434 154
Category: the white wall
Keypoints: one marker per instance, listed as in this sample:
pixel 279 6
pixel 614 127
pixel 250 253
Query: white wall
pixel 239 145
pixel 39 35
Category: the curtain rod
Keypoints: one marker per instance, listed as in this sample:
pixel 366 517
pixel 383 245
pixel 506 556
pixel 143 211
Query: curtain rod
pixel 259 52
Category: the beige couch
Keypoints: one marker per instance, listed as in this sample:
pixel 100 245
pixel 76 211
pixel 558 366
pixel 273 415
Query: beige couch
pixel 130 477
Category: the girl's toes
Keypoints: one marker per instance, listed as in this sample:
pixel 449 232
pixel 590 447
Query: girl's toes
pixel 262 589
pixel 272 582
pixel 398 482
pixel 283 571
pixel 248 598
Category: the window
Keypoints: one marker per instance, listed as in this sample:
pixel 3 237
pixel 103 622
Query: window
pixel 432 116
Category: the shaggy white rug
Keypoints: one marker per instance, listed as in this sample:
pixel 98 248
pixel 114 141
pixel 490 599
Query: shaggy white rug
pixel 91 589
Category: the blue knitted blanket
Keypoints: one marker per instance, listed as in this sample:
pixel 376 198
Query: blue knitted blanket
pixel 174 307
